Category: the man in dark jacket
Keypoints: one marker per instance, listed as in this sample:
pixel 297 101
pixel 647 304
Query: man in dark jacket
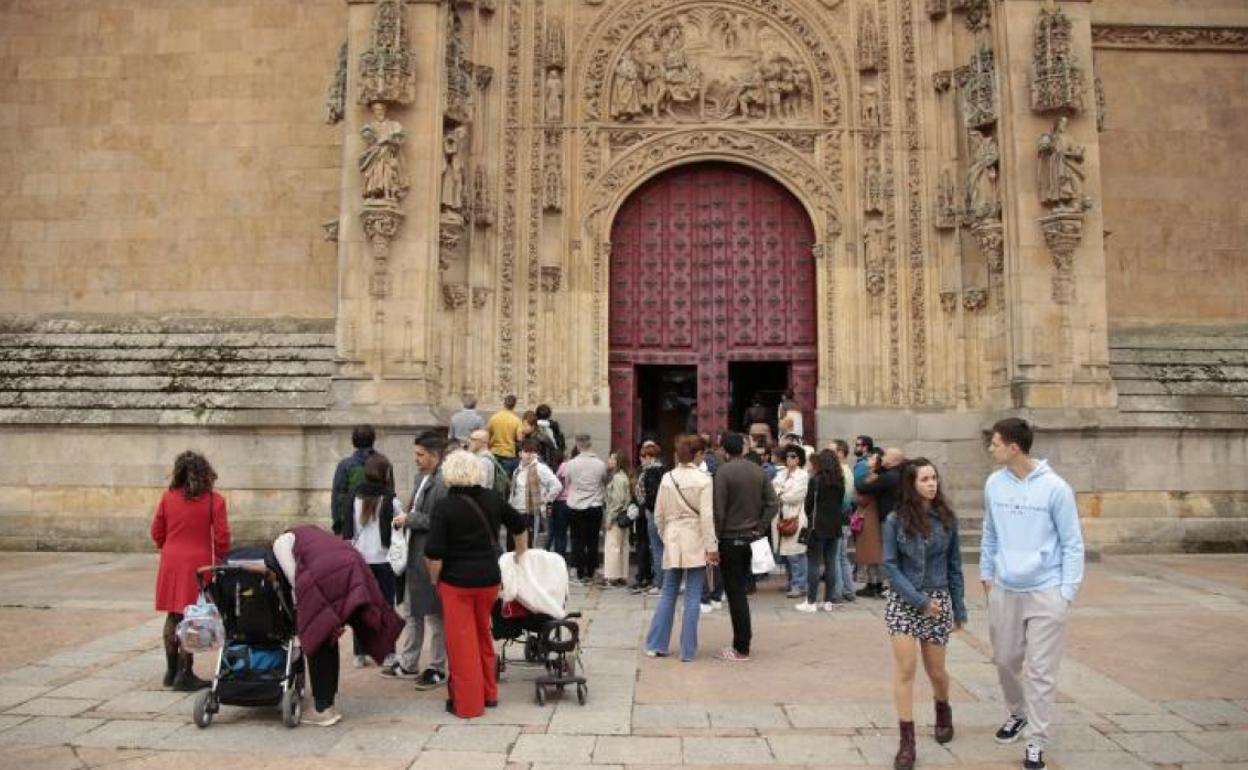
pixel 882 481
pixel 349 474
pixel 745 504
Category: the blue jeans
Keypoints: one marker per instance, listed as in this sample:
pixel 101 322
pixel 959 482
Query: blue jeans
pixel 660 635
pixel 656 551
pixel 845 571
pixel 797 573
pixel 821 561
pixel 557 538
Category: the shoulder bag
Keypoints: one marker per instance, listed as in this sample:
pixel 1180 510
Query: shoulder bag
pixel 485 522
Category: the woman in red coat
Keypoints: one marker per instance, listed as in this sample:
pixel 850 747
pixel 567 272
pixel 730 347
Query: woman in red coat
pixel 192 531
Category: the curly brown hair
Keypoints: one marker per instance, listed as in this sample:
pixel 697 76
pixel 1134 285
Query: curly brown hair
pixel 193 474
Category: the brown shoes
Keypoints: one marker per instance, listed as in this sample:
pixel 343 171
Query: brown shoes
pixel 944 722
pixel 905 751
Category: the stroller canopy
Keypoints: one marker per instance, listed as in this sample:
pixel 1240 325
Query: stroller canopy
pixel 539 581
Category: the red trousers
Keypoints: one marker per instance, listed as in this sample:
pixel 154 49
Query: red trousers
pixel 469 647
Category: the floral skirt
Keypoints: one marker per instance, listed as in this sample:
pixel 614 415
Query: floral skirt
pixel 903 619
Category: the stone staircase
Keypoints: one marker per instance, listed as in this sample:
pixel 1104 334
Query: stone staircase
pixel 1181 371
pixel 51 369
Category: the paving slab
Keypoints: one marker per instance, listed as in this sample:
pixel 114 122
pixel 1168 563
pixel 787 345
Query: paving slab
pixel 13 694
pixel 726 751
pixel 459 760
pixel 93 688
pixel 1227 745
pixel 497 739
pixel 48 730
pixel 1161 748
pixel 390 741
pixel 553 748
pixel 634 750
pixel 127 734
pixel 825 715
pixel 670 716
pixel 53 707
pixel 1209 712
pixel 880 750
pixel 815 750
pixel 142 702
pixel 1150 723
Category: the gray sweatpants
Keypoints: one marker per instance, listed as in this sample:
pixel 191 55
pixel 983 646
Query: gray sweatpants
pixel 413 639
pixel 1027 631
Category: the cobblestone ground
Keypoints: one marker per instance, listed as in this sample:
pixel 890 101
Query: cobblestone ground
pixel 1155 677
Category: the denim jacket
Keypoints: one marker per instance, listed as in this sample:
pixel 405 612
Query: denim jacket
pixel 917 566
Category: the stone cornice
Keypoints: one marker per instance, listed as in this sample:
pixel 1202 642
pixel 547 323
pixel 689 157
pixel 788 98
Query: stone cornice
pixel 1233 39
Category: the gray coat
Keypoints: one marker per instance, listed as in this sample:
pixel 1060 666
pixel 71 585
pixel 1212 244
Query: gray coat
pixel 422 596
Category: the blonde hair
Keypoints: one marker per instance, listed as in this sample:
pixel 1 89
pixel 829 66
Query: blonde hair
pixel 461 468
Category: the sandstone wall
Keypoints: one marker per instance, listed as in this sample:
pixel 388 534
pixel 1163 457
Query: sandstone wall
pixel 166 156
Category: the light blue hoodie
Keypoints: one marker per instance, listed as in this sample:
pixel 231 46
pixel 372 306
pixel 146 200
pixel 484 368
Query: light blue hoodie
pixel 1032 538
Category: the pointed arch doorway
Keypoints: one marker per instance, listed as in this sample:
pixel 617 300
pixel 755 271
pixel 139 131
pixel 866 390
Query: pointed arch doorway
pixel 712 302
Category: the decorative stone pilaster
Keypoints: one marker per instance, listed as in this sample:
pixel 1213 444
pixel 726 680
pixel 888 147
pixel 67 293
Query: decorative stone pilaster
pixel 381 220
pixel 974 299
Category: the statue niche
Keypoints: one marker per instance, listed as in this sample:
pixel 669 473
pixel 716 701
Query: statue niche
pixel 710 64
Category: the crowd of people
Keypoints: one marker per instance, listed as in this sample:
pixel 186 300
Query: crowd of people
pixel 697 530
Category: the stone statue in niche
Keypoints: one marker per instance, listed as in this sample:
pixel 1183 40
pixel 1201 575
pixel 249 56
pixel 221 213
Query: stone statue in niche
pixel 381 163
pixel 552 188
pixel 979 89
pixel 870 109
pixel 873 186
pixel 482 199
pixel 873 258
pixel 453 170
pixel 868 41
pixel 554 44
pixel 1060 173
pixel 682 82
pixel 626 92
pixel 554 96
pixel 983 201
pixel 387 67
pixel 1056 80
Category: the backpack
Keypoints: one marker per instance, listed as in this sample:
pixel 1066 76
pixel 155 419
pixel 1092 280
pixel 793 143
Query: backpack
pixel 502 482
pixel 341 505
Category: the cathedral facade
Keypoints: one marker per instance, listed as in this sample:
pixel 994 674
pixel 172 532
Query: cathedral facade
pixel 245 228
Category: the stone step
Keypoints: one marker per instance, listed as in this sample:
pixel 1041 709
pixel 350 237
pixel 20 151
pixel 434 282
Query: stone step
pixel 1186 338
pixel 1144 387
pixel 1181 403
pixel 168 367
pixel 264 353
pixel 227 339
pixel 160 384
pixel 1168 356
pixel 61 400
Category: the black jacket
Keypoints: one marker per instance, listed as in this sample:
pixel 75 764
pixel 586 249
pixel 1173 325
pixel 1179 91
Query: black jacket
pixel 745 502
pixel 823 506
pixel 886 489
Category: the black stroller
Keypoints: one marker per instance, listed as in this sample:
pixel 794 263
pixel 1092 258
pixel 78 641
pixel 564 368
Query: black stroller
pixel 553 644
pixel 260 663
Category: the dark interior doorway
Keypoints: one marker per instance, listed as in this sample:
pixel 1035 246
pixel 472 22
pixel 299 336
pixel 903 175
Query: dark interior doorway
pixel 667 400
pixel 765 379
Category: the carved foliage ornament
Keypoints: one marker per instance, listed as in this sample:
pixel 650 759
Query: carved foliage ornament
pixel 335 102
pixel 1056 79
pixel 975 299
pixel 948 301
pixel 1187 38
pixel 745 60
pixel 454 295
pixel 978 83
pixel 387 67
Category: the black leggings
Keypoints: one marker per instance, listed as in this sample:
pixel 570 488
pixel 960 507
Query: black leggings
pixel 323 674
pixel 388 584
pixel 170 634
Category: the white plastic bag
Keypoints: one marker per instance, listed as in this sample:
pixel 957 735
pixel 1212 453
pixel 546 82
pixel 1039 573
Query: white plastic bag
pixel 761 559
pixel 201 629
pixel 397 555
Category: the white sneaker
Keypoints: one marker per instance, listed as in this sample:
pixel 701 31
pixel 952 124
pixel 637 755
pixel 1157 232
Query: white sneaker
pixel 360 661
pixel 654 591
pixel 829 607
pixel 716 605
pixel 707 609
pixel 807 607
pixel 327 718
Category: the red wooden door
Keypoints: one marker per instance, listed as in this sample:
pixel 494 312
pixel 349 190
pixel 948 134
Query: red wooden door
pixel 710 263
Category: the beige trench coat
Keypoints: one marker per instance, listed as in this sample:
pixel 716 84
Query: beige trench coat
pixel 688 534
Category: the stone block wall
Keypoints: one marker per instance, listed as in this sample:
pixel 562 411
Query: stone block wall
pixel 167 156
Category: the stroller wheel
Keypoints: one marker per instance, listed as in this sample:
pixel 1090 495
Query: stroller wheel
pixel 531 652
pixel 582 694
pixel 292 707
pixel 541 695
pixel 205 707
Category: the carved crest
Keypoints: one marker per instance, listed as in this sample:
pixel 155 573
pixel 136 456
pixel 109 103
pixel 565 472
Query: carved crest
pixel 387 67
pixel 978 83
pixel 1056 79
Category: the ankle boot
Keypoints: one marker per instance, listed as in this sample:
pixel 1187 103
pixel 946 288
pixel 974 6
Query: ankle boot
pixel 905 750
pixel 185 680
pixel 944 722
pixel 171 668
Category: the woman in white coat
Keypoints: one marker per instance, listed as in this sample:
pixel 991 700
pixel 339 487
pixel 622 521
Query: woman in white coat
pixel 790 485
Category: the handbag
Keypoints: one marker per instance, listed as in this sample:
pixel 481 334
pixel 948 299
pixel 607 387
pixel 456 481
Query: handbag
pixel 789 527
pixel 396 555
pixel 856 522
pixel 762 560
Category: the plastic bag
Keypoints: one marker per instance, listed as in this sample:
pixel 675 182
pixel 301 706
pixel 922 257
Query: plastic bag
pixel 397 553
pixel 762 561
pixel 201 629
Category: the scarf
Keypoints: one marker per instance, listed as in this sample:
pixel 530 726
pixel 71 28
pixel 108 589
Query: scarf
pixel 532 489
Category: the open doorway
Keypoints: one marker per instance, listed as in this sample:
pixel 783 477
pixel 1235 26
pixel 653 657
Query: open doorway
pixel 764 380
pixel 667 401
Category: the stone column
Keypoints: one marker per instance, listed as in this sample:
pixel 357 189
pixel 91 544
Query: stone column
pixel 387 301
pixel 1056 317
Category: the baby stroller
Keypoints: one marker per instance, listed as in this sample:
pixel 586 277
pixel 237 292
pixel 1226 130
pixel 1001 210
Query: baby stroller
pixel 535 619
pixel 260 663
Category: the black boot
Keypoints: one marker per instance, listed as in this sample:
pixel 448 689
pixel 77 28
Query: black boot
pixel 171 652
pixel 185 680
pixel 905 748
pixel 171 668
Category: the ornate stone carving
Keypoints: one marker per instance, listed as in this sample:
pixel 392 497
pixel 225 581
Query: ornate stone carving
pixel 873 186
pixel 460 73
pixel 1101 109
pixel 977 13
pixel 486 6
pixel 453 173
pixel 553 96
pixel 454 296
pixel 873 259
pixel 975 299
pixel 1060 173
pixel 936 9
pixel 552 172
pixel 978 84
pixel 450 242
pixel 381 220
pixel 481 296
pixel 336 101
pixel 803 141
pixel 869 109
pixel 1185 38
pixel 482 199
pixel 868 40
pixel 1063 232
pixel 552 276
pixel 387 67
pixel 330 229
pixel 990 236
pixel 983 202
pixel 945 209
pixel 381 162
pixel 555 46
pixel 1056 79
pixel 505 348
pixel 948 301
pixel 484 75
pixel 942 81
pixel 699 63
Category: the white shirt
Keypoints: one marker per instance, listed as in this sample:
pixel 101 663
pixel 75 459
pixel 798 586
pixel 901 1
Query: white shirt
pixel 368 538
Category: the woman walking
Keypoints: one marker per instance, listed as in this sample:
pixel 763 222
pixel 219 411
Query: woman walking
pixel 684 516
pixel 370 530
pixel 619 497
pixel 462 554
pixel 790 485
pixel 927 600
pixel 825 495
pixel 191 530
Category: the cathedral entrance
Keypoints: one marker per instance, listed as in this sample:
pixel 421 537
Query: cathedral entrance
pixel 712 302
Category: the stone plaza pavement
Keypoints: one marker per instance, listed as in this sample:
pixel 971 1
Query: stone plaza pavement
pixel 1155 677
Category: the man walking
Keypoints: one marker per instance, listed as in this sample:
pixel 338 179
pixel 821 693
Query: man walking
pixel 587 482
pixel 745 504
pixel 1031 565
pixel 504 429
pixel 424 610
pixel 465 421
